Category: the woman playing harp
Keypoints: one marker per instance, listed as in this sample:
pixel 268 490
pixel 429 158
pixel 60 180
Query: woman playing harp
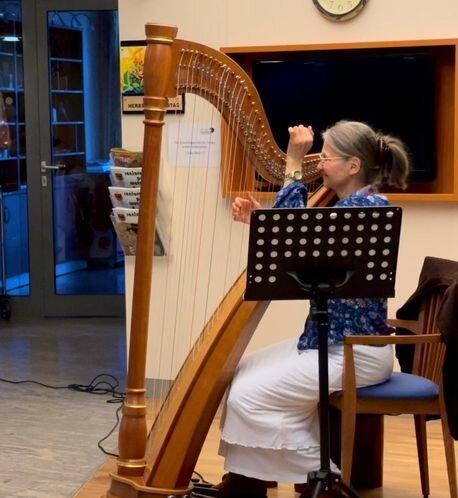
pixel 270 429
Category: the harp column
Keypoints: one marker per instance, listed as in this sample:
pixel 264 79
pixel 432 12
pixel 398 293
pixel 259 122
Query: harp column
pixel 157 85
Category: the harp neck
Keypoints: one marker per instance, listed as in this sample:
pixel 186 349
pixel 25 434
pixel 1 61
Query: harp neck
pixel 215 77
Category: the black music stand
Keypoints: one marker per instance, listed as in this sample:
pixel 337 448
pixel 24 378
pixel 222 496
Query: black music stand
pixel 315 254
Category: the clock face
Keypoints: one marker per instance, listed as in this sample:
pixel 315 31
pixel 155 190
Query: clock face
pixel 340 10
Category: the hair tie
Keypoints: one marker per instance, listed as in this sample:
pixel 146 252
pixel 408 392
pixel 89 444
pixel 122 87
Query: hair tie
pixel 383 150
pixel 382 145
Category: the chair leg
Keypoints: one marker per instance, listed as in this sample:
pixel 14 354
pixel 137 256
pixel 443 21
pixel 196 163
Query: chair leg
pixel 422 449
pixel 347 444
pixel 449 446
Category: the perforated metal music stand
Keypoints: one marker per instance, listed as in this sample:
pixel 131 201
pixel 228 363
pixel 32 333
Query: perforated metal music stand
pixel 318 253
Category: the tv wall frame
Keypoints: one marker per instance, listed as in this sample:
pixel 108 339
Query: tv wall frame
pixel 444 188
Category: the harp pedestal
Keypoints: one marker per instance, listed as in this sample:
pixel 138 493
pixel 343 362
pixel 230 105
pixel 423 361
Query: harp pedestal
pixel 126 488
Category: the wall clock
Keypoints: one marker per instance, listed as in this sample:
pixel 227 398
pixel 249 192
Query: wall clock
pixel 340 10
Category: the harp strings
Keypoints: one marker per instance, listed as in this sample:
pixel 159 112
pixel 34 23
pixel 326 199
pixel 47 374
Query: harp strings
pixel 165 332
pixel 191 225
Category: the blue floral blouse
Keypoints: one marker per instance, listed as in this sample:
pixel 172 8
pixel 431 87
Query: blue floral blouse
pixel 346 316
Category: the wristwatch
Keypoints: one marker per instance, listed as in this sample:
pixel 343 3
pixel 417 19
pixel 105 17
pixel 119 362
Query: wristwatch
pixel 295 175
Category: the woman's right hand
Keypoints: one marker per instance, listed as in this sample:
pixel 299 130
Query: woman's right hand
pixel 300 142
pixel 242 208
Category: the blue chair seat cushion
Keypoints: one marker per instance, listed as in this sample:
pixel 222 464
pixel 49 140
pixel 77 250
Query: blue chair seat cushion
pixel 401 386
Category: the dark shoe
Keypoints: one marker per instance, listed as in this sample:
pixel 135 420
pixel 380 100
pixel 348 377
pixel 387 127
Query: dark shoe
pixel 300 488
pixel 271 484
pixel 239 486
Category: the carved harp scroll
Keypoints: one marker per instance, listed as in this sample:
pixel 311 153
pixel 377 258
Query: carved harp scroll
pixel 162 462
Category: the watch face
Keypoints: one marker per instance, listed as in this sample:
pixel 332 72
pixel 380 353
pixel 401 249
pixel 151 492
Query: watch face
pixel 294 175
pixel 340 10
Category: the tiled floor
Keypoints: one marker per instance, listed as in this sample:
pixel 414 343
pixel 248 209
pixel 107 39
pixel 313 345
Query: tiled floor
pixel 48 437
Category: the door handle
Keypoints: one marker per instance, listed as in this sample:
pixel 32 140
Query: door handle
pixel 45 166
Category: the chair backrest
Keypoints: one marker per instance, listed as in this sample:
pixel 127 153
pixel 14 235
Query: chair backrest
pixel 428 358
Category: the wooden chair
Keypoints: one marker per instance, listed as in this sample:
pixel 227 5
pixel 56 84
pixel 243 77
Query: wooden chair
pixel 419 393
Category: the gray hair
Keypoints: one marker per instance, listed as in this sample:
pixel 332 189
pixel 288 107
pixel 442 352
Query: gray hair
pixel 384 158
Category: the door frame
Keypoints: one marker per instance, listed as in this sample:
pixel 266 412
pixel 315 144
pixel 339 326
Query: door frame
pixel 42 300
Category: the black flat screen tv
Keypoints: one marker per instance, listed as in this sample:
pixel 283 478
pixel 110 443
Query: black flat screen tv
pixel 392 92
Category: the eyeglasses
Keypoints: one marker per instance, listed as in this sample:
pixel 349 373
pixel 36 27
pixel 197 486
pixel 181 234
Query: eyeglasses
pixel 324 158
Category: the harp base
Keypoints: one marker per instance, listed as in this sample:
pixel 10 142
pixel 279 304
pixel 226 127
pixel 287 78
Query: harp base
pixel 122 487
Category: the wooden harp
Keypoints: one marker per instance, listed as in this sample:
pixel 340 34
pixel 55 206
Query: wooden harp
pixel 161 462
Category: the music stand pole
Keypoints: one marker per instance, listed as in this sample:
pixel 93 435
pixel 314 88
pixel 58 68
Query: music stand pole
pixel 319 314
pixel 324 478
pixel 319 291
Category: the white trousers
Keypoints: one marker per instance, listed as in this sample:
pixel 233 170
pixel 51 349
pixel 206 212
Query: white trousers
pixel 270 426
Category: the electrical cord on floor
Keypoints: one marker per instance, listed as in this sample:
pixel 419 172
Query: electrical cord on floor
pixel 32 382
pixel 100 384
pixel 101 387
pixel 199 479
pixel 99 443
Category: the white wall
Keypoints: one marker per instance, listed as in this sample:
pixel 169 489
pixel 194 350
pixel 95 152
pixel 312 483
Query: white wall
pixel 428 228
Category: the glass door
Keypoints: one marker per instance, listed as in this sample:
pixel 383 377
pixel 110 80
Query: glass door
pixel 71 262
pixel 82 76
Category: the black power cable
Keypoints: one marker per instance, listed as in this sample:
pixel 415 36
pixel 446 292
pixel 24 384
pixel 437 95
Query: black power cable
pixel 100 384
